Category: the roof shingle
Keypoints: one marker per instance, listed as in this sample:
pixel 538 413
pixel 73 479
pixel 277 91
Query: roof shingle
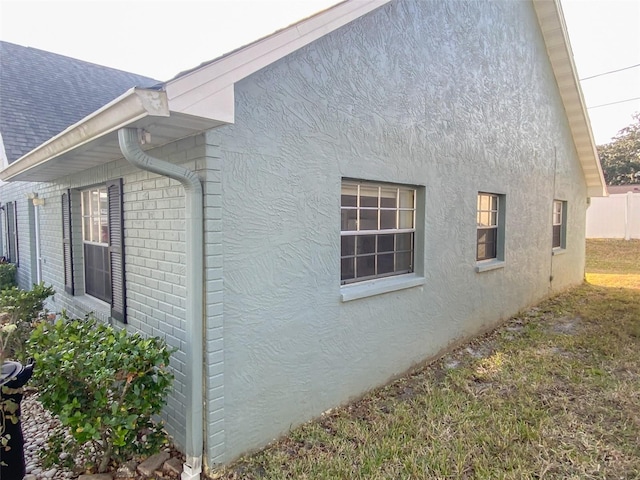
pixel 42 93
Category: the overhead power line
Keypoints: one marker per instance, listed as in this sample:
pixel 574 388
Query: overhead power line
pixel 610 72
pixel 614 103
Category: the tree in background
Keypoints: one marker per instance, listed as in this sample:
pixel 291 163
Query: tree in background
pixel 621 157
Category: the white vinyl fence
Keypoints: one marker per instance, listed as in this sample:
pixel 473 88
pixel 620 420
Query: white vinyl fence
pixel 615 216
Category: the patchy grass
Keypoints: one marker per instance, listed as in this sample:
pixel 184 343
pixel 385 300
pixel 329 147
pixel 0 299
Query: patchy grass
pixel 613 263
pixel 555 393
pixel 613 256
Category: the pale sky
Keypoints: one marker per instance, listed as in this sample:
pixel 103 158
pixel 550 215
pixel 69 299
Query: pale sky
pixel 160 39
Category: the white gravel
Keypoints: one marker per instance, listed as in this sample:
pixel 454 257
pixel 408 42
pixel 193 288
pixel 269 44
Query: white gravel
pixel 37 423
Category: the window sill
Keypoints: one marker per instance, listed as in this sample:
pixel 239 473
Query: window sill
pixel 379 286
pixel 487 265
pixel 558 251
pixel 99 309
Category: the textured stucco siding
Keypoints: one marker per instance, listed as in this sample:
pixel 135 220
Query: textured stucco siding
pixel 154 225
pixel 455 97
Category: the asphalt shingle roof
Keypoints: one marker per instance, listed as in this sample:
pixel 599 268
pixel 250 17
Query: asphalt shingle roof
pixel 42 93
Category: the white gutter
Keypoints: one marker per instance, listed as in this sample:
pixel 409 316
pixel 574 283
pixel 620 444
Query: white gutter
pixel 194 323
pixel 132 105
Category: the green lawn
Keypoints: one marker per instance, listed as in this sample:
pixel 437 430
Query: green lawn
pixel 554 393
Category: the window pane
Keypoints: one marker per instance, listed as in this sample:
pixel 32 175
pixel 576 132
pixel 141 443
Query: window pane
pixel 494 202
pixel 487 243
pixel 104 203
pixel 385 243
pixel 366 244
pixel 404 262
pixel 368 219
pixel 368 196
pixel 348 220
pixel 388 197
pixel 406 198
pixel 387 219
pixel 349 195
pixel 86 229
pixel 104 233
pixel 95 229
pixel 346 268
pixel 405 219
pixel 348 245
pixel 95 203
pixel 404 241
pixel 557 237
pixel 366 266
pixel 85 203
pixel 385 263
pixel 482 252
pixel 483 202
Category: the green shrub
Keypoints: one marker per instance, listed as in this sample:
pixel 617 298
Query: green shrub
pixel 22 308
pixel 105 385
pixel 7 275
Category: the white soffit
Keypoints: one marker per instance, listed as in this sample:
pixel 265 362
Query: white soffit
pixel 554 32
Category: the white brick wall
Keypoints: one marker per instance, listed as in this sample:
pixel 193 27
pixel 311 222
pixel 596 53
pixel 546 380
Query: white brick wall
pixel 154 221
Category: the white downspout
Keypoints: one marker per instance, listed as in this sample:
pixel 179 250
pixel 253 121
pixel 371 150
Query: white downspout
pixel 194 323
pixel 36 222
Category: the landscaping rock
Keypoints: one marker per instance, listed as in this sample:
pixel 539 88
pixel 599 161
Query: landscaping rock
pixel 173 466
pixel 96 476
pixel 127 471
pixel 153 463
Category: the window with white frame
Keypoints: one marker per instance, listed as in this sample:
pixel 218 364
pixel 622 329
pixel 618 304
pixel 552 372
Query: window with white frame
pixel 95 238
pixel 377 230
pixel 559 224
pixel 490 227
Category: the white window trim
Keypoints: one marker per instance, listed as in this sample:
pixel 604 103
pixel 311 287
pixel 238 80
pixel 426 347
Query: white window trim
pixel 498 262
pixel 398 209
pixel 559 250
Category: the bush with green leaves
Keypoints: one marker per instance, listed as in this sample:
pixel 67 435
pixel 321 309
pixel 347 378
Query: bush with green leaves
pixel 22 308
pixel 7 275
pixel 105 385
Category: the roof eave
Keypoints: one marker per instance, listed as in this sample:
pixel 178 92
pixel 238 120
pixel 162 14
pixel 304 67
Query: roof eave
pixel 556 38
pixel 130 107
pixel 93 140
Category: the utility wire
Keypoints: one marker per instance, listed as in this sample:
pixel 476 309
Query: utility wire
pixel 612 71
pixel 614 103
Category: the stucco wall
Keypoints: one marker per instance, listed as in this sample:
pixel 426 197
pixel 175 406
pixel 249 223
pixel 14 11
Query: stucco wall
pixel 615 216
pixel 456 97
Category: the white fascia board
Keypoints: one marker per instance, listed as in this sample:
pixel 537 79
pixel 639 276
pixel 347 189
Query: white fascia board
pixel 556 38
pixel 131 106
pixel 202 89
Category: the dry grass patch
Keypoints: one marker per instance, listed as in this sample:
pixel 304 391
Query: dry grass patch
pixel 613 263
pixel 612 256
pixel 556 394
